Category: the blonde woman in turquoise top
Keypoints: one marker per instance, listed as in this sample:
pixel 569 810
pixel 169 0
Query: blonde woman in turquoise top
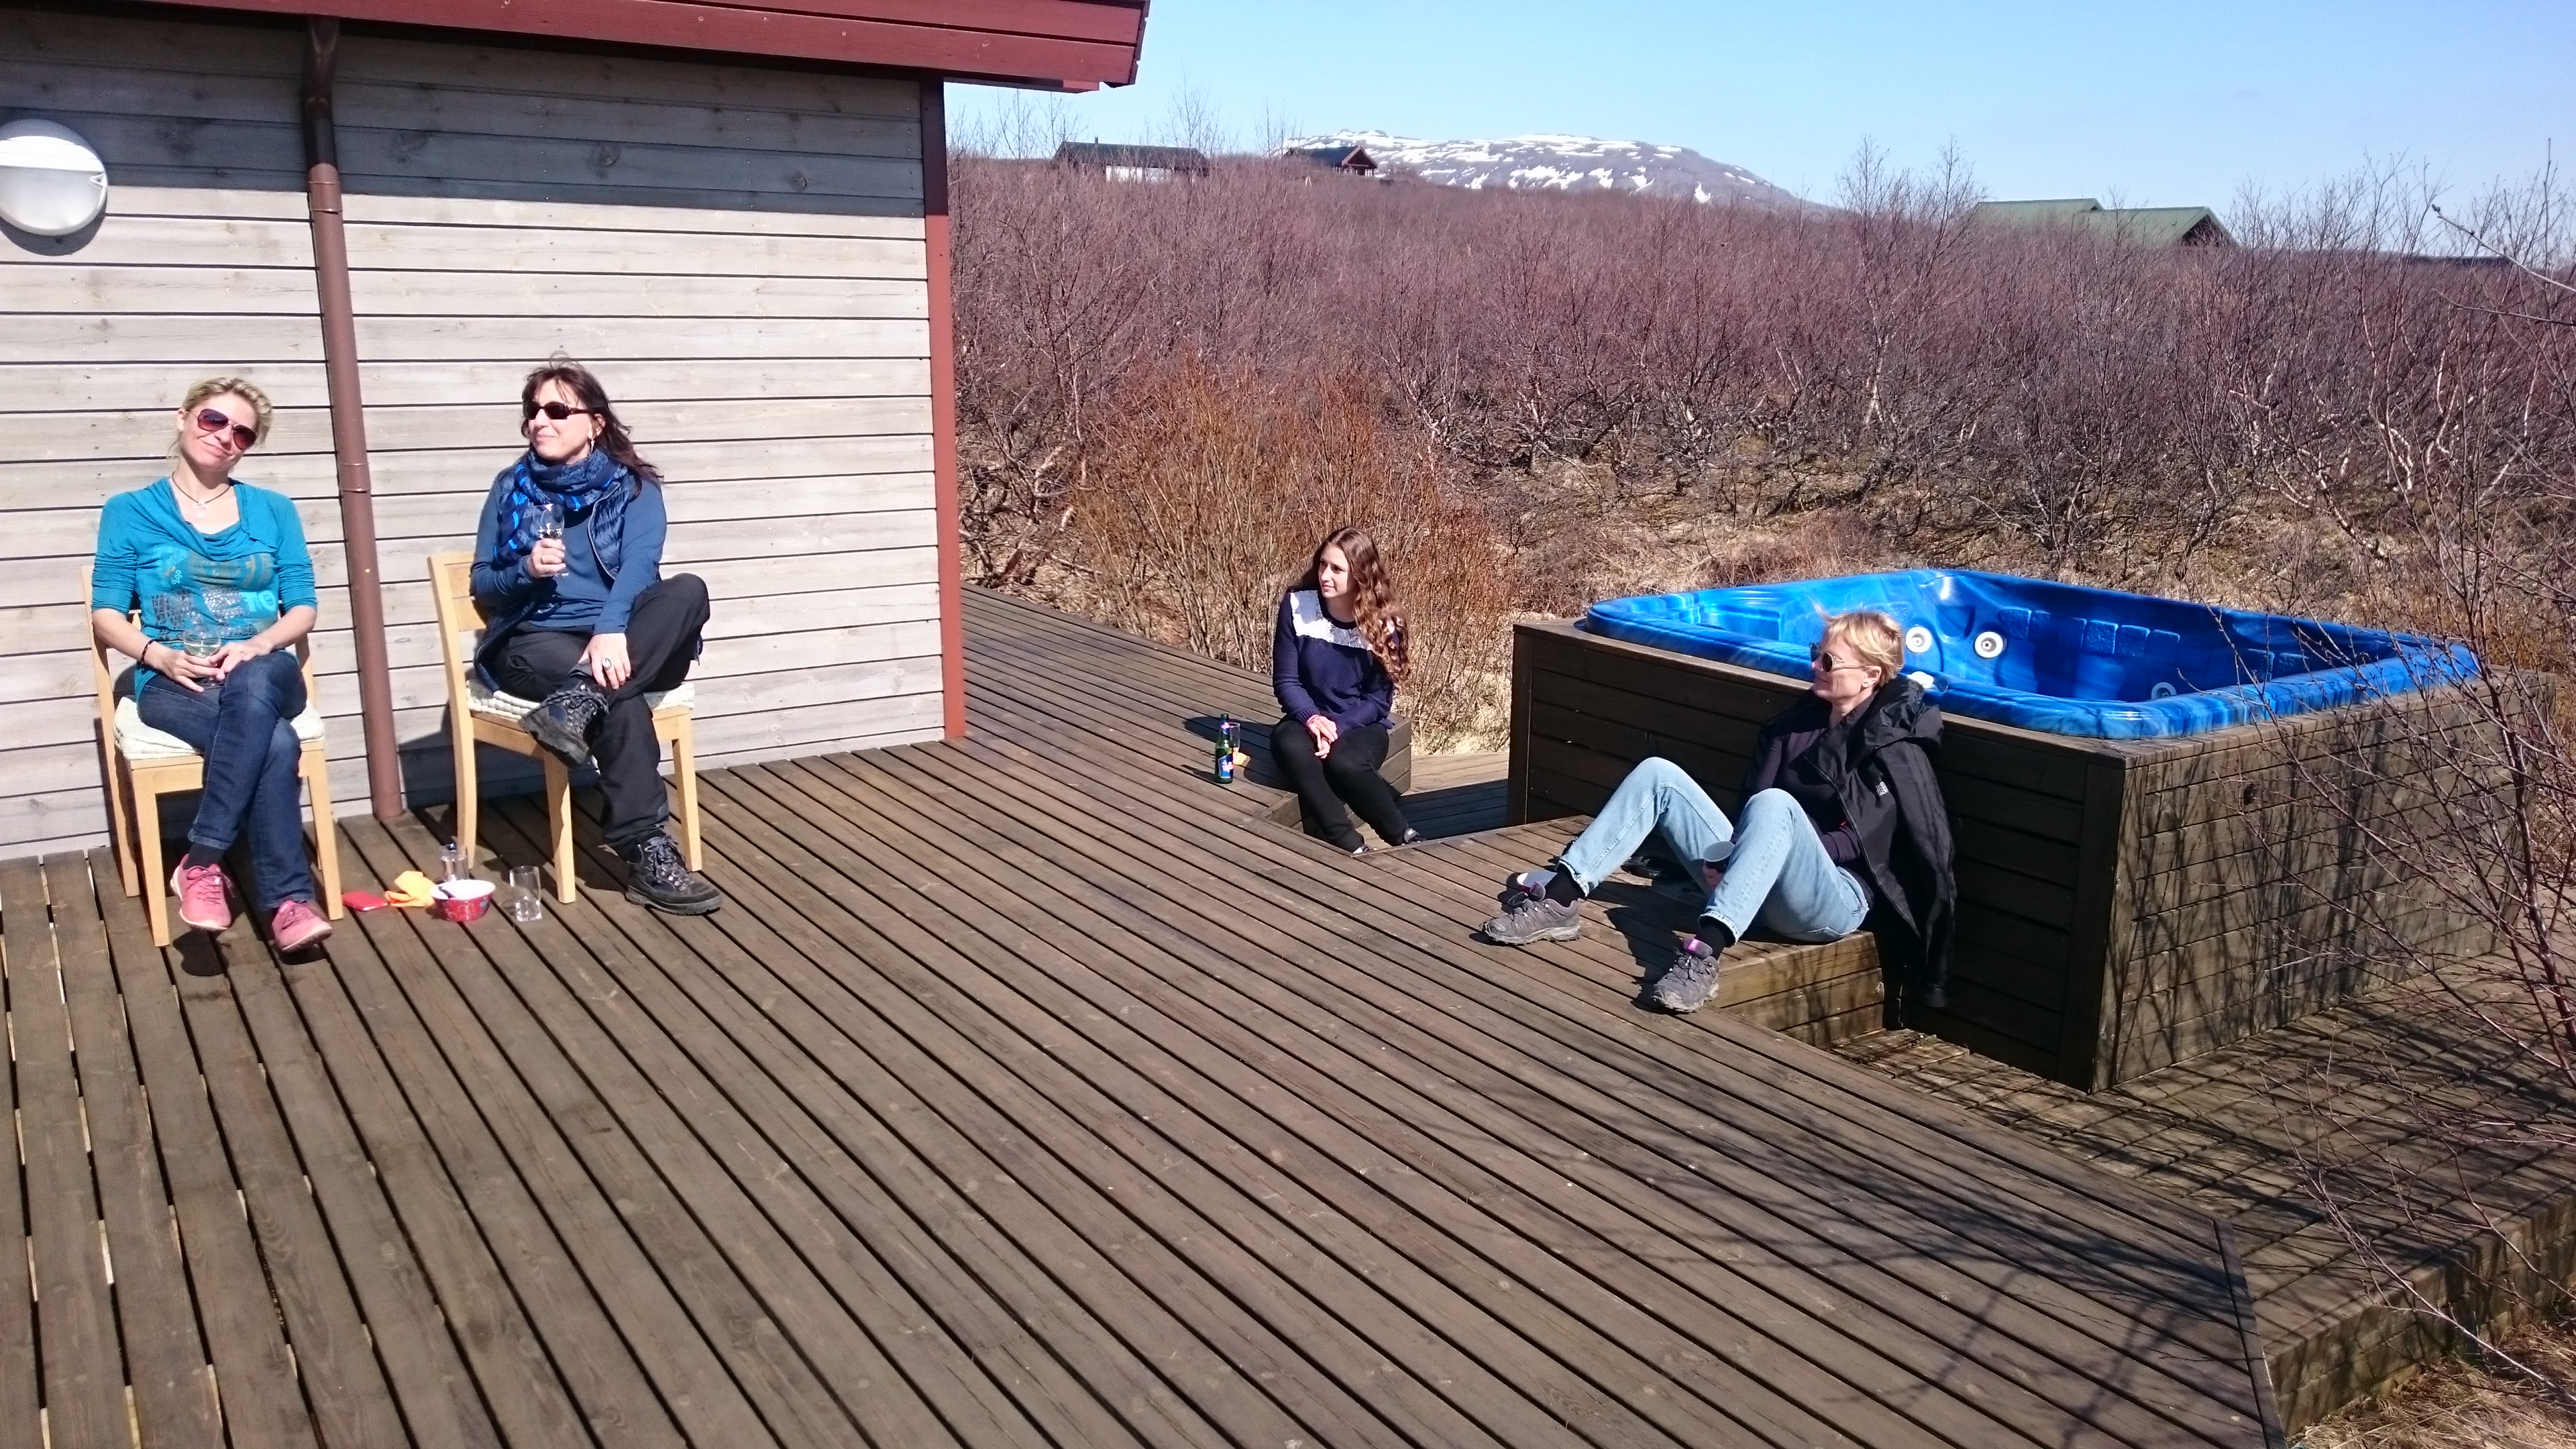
pixel 220 573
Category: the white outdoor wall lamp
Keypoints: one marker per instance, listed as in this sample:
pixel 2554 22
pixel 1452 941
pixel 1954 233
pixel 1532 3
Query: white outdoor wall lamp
pixel 51 182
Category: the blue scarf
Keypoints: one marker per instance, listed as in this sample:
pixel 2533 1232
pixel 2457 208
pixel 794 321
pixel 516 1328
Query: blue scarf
pixel 574 488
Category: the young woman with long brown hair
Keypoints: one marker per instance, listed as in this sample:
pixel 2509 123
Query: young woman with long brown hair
pixel 1335 661
pixel 568 570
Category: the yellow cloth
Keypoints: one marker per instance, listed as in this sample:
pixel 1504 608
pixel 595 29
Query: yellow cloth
pixel 411 888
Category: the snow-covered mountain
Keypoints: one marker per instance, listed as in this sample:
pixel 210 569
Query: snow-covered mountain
pixel 1565 163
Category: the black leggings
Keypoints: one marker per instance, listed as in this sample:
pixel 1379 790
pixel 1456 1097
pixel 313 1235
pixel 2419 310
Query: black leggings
pixel 661 639
pixel 1349 773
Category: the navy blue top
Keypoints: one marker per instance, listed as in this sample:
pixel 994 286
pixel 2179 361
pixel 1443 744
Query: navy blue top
pixel 1320 667
pixel 591 593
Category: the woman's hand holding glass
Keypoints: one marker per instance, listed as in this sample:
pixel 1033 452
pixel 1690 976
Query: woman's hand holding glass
pixel 236 652
pixel 546 558
pixel 185 663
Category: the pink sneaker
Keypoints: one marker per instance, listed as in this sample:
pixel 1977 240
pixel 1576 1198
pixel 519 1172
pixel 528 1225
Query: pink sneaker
pixel 204 900
pixel 296 926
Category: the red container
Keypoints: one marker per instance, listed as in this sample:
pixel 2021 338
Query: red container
pixel 463 900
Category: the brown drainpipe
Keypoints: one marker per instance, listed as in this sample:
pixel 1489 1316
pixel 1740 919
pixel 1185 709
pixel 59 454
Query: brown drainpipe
pixel 348 422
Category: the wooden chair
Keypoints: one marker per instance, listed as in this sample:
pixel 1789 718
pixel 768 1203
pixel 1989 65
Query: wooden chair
pixel 144 764
pixel 476 715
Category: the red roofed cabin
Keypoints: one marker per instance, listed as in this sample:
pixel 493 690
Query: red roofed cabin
pixel 735 212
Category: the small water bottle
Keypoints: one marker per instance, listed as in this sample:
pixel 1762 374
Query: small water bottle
pixel 1225 751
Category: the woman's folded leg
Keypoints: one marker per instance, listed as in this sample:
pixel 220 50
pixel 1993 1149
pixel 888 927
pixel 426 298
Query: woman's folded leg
pixel 1292 747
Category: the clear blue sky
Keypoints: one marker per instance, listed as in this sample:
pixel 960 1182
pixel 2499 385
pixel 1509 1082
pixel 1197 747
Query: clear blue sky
pixel 2173 103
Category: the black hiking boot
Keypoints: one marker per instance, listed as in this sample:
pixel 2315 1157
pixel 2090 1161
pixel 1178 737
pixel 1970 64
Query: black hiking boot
pixel 567 720
pixel 657 877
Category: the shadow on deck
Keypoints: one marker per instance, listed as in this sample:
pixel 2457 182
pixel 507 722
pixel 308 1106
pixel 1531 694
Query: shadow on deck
pixel 1027 1091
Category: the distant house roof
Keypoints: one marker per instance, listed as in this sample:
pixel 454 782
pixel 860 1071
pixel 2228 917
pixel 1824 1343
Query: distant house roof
pixel 1109 156
pixel 2146 226
pixel 1340 158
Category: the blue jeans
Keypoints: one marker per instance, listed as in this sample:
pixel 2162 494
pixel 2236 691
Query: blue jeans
pixel 1777 874
pixel 242 726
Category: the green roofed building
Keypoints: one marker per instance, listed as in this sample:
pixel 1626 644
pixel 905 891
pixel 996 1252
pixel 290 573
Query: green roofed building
pixel 2146 226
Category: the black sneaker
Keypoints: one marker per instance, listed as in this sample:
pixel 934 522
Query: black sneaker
pixel 567 720
pixel 656 877
pixel 1691 981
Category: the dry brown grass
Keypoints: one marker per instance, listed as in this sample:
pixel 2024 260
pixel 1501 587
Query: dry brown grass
pixel 2456 1405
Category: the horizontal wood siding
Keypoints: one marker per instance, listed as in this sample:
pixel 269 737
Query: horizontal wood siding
pixel 738 253
pixel 1587 709
pixel 100 336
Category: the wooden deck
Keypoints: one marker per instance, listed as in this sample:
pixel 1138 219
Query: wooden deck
pixel 2273 1132
pixel 1029 1091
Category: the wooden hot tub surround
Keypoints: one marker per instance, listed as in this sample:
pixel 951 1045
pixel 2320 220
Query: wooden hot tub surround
pixel 2123 904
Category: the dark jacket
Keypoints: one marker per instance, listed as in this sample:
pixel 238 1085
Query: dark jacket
pixel 626 531
pixel 1892 804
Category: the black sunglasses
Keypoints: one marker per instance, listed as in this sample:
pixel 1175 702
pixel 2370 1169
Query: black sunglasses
pixel 558 411
pixel 211 421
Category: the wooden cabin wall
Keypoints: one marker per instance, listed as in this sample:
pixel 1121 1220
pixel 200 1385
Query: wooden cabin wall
pixel 202 266
pixel 738 252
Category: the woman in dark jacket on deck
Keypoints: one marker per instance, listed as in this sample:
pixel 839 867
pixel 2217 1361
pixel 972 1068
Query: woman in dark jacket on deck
pixel 1843 826
pixel 568 572
pixel 1335 660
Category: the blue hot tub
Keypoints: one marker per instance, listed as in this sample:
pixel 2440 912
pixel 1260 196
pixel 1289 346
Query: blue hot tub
pixel 2055 658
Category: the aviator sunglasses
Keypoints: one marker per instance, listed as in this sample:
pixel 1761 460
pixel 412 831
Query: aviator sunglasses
pixel 211 421
pixel 558 411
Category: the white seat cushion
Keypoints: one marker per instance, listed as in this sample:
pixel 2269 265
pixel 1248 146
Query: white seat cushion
pixel 142 743
pixel 509 708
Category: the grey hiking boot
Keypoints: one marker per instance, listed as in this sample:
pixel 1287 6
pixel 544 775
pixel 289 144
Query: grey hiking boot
pixel 1691 981
pixel 1535 918
pixel 567 720
pixel 657 877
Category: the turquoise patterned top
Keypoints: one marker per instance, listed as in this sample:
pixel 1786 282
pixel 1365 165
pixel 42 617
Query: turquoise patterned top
pixel 231 584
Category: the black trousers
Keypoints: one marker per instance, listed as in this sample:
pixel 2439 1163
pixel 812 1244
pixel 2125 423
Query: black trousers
pixel 1349 773
pixel 661 641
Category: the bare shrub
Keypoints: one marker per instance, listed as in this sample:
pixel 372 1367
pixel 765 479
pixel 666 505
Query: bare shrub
pixel 1207 496
pixel 2430 439
pixel 1597 373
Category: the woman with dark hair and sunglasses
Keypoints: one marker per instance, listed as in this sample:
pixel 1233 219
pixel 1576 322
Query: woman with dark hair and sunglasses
pixel 225 585
pixel 1843 825
pixel 1335 660
pixel 568 573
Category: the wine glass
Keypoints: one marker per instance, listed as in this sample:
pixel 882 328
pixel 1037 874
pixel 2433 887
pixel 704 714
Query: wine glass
pixel 199 642
pixel 549 521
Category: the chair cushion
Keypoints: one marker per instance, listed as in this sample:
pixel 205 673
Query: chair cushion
pixel 492 704
pixel 141 742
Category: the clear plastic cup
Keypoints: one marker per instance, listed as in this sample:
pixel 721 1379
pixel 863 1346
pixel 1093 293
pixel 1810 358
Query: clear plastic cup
pixel 527 902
